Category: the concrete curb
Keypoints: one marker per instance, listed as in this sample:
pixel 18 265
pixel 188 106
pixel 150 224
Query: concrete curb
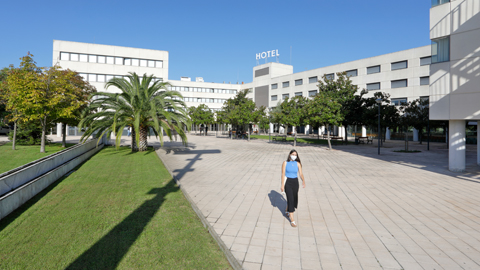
pixel 231 259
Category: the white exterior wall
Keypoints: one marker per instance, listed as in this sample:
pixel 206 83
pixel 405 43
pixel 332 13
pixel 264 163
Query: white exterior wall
pixel 454 85
pixel 109 69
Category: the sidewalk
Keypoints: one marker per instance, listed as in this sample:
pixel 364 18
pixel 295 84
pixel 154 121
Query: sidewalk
pixel 359 210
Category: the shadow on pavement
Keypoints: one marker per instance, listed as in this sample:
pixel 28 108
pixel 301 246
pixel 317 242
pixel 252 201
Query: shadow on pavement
pixel 277 200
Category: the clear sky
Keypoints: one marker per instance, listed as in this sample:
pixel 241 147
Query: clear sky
pixel 218 40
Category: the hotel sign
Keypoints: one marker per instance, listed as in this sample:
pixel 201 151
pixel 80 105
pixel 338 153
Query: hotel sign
pixel 267 54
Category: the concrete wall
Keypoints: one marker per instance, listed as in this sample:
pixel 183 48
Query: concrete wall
pixel 21 184
pixel 455 84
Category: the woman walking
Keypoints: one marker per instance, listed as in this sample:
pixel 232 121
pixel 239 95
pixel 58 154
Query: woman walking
pixel 290 170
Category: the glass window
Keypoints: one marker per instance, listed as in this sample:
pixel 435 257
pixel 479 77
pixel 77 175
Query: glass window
pixel 330 76
pixel 425 80
pixel 101 78
pixel 352 73
pixel 83 58
pixel 273 98
pixel 74 57
pixel 400 65
pixel 297 94
pixel 313 79
pixel 127 62
pixel 399 83
pixel 373 69
pixel 312 93
pixel 110 60
pixel 399 101
pixel 143 63
pixel 65 56
pixel 118 76
pixel 373 86
pixel 92 77
pixel 159 64
pixel 299 82
pixel 274 86
pixel 84 76
pixel 109 77
pixel 425 61
pixel 92 58
pixel 441 50
pixel 118 60
pixel 101 59
pixel 439 2
pixel 135 62
pixel 285 84
pixel 285 96
pixel 151 63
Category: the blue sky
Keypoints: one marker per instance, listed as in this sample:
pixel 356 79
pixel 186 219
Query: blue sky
pixel 218 40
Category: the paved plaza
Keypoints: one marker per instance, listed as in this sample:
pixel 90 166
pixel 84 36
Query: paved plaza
pixel 358 210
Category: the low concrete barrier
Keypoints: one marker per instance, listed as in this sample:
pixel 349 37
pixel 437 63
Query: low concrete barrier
pixel 21 184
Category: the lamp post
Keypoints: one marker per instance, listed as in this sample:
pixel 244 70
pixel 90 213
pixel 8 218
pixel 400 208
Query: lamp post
pixel 379 102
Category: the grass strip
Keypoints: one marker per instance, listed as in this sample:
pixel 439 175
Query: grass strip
pixel 11 159
pixel 117 210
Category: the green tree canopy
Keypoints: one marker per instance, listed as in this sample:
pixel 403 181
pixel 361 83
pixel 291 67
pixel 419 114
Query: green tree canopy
pixel 143 103
pixel 44 94
pixel 201 115
pixel 294 113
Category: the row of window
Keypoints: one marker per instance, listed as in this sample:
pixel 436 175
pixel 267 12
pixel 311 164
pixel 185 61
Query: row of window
pixel 397 83
pixel 311 93
pixel 204 100
pixel 90 77
pixel 203 90
pixel 354 72
pixel 103 59
pixel 439 2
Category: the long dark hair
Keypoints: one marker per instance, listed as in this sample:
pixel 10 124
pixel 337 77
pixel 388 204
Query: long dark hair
pixel 298 157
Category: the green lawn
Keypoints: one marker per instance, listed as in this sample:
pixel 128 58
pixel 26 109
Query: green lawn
pixel 117 210
pixel 11 159
pixel 301 140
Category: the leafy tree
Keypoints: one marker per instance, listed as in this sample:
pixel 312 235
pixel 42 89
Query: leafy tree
pixel 43 94
pixel 417 114
pixel 3 85
pixel 201 115
pixel 354 111
pixel 240 111
pixel 327 107
pixel 276 115
pixel 263 119
pixel 293 113
pixel 389 114
pixel 142 104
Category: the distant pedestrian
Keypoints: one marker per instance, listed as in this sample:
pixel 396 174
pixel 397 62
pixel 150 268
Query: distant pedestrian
pixel 291 168
pixel 129 131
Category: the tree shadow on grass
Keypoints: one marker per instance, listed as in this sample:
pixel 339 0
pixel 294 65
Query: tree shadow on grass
pixel 109 251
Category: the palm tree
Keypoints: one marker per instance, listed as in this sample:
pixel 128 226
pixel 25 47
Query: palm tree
pixel 143 103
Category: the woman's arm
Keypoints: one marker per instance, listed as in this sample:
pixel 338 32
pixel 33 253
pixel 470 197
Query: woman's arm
pixel 282 188
pixel 301 174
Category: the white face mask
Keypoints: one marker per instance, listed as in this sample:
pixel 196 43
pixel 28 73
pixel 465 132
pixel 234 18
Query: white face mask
pixel 293 157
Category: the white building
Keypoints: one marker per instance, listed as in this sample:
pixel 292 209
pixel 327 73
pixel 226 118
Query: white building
pixel 455 72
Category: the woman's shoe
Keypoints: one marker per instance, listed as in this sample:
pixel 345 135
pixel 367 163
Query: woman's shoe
pixel 293 224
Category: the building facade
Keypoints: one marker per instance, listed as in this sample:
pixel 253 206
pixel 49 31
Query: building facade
pixel 455 72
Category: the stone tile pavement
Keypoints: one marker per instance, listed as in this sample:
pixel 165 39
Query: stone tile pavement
pixel 358 211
